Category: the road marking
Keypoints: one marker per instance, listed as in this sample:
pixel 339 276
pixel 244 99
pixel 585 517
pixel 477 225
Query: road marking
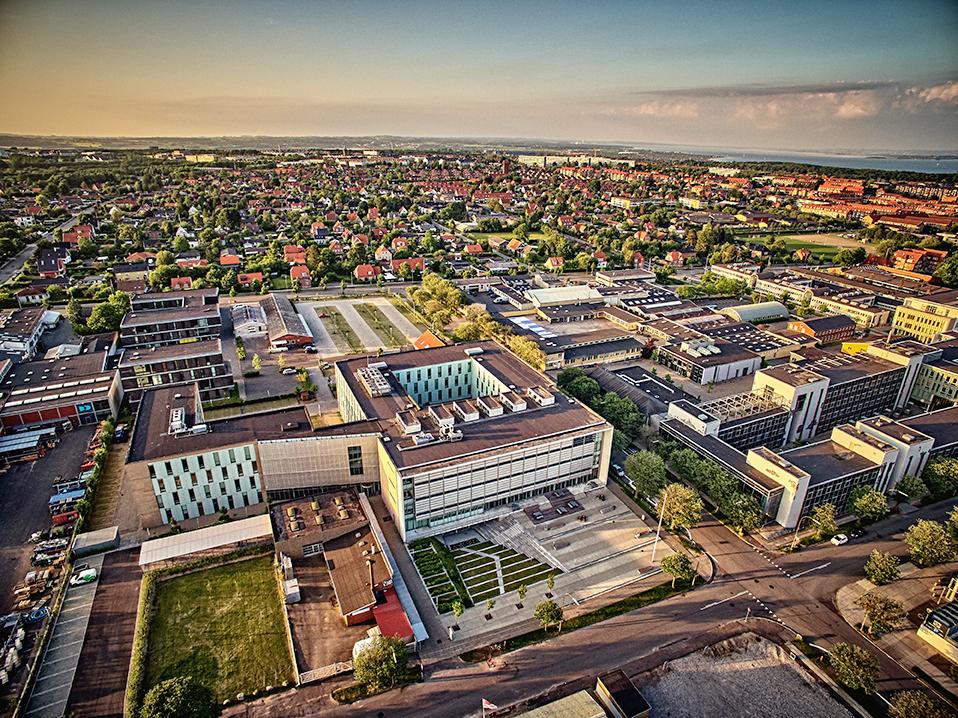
pixel 716 603
pixel 816 568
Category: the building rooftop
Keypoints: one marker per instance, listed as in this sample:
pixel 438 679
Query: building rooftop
pixel 324 516
pixel 826 460
pixel 147 317
pixel 941 425
pixel 890 427
pixel 353 559
pixel 480 433
pixel 136 357
pixel 152 439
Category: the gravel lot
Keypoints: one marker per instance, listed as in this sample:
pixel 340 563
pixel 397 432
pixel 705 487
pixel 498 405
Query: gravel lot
pixel 745 676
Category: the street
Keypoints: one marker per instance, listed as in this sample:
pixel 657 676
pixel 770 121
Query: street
pixel 795 590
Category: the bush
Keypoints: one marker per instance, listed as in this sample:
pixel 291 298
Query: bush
pixel 855 667
pixel 180 697
pixel 382 664
pixel 881 568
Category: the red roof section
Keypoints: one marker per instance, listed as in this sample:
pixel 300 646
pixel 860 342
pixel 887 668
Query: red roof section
pixel 391 618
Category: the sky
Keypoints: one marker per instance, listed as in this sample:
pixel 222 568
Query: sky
pixel 806 75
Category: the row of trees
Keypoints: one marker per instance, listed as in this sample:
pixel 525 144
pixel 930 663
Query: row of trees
pixel 619 411
pixel 741 510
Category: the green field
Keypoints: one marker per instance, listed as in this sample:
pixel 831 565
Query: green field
pixel 825 245
pixel 224 626
pixel 387 332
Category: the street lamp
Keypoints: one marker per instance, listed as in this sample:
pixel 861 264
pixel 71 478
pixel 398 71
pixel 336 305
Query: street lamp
pixel 658 530
pixel 798 528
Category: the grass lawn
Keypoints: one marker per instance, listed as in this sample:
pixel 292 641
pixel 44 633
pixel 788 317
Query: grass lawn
pixel 387 332
pixel 340 331
pixel 825 244
pixel 223 626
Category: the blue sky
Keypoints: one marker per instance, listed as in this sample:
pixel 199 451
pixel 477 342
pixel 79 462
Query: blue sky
pixel 796 75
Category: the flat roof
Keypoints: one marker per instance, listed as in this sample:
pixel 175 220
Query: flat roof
pixel 941 425
pixel 350 558
pixel 483 435
pixel 183 544
pixel 151 439
pixel 146 317
pixel 148 355
pixel 577 705
pixel 826 460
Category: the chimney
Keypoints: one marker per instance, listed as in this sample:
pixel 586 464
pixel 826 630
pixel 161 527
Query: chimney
pixel 372 582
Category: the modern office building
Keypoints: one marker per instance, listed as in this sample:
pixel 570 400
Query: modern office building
pixel 199 363
pixel 450 436
pixel 171 318
pixel 467 431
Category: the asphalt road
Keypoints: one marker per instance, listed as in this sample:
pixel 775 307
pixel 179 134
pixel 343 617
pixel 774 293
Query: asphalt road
pixel 795 590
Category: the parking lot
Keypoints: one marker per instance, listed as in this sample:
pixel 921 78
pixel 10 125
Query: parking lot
pixel 100 680
pixel 24 494
pixel 55 679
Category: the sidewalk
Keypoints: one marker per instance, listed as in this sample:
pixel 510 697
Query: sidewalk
pixel 912 590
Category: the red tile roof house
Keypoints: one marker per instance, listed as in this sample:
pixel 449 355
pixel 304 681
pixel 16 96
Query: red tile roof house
pixel 555 263
pixel 675 258
pixel 601 260
pixel 399 243
pixel 294 254
pixel 247 278
pixel 191 263
pixel 230 260
pixel 416 264
pixel 473 249
pixel 180 283
pixel 383 254
pixel 366 272
pixel 302 274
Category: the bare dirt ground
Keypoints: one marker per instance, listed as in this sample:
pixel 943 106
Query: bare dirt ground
pixel 746 676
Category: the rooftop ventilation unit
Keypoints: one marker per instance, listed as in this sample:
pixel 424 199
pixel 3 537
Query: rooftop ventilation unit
pixel 472 351
pixel 373 380
pixel 178 420
pixel 423 438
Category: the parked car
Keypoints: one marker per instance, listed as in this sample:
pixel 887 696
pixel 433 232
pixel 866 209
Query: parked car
pixel 856 533
pixel 85 576
pixel 840 539
pixel 288 370
pixel 121 433
pixel 37 614
pixel 311 350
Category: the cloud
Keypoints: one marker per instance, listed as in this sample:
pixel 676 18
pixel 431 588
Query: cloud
pixel 771 90
pixel 945 93
pixel 673 109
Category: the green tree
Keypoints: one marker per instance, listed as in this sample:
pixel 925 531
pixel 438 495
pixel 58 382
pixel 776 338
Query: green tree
pixel 929 543
pixel 744 512
pixel 523 590
pixel 912 488
pixel 382 664
pixel 164 257
pixel 181 244
pixel 457 608
pixel 823 516
pixel 881 567
pixel 490 604
pixel 854 667
pixel 257 362
pixel 882 614
pixel 951 523
pixel 548 613
pixel 915 704
pixel 281 362
pixel 180 697
pixel 678 566
pixel 868 504
pixel 646 469
pixel 947 271
pixel 941 477
pixel 849 256
pixel 551 581
pixel 681 506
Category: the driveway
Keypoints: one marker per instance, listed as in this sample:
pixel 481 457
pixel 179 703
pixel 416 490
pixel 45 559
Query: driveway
pixel 100 680
pixel 62 656
pixel 367 336
pixel 396 317
pixel 321 339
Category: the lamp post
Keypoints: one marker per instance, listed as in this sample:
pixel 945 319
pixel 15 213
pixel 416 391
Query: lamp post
pixel 798 528
pixel 658 530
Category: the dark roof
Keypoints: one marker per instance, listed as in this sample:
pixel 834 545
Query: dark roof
pixel 624 693
pixel 136 357
pixel 349 561
pixel 151 438
pixel 941 425
pixel 824 324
